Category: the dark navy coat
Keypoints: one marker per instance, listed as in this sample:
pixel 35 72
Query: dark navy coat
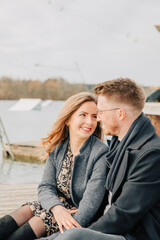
pixel 135 209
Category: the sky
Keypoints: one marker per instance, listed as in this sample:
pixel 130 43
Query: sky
pixel 86 41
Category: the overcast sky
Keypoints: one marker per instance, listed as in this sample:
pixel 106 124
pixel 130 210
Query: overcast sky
pixel 87 41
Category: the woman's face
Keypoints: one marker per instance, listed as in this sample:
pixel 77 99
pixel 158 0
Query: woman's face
pixel 83 121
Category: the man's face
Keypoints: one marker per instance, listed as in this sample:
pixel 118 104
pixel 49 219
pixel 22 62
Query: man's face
pixel 108 114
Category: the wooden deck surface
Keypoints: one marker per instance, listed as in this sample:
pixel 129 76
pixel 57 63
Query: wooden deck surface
pixel 23 151
pixel 12 196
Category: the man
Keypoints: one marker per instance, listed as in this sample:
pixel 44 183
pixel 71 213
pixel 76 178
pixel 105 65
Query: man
pixel 133 182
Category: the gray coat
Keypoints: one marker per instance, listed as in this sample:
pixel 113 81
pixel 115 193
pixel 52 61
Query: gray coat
pixel 87 181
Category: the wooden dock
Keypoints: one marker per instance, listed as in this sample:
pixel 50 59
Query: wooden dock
pixel 12 196
pixel 26 151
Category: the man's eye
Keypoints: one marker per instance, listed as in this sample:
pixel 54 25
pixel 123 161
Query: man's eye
pixel 83 115
pixel 95 116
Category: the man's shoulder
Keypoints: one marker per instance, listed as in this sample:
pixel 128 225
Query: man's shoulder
pixel 148 155
pixel 152 144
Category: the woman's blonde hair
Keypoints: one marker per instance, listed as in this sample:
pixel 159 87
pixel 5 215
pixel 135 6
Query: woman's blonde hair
pixel 60 130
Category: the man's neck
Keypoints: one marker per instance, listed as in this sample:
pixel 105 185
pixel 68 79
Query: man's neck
pixel 126 124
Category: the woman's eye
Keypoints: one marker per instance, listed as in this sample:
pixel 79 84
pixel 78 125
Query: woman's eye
pixel 95 116
pixel 82 115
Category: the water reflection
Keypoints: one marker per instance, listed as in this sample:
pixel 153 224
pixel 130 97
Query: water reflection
pixel 25 126
pixel 20 171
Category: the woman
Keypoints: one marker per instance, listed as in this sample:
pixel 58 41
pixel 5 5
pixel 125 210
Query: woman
pixel 73 183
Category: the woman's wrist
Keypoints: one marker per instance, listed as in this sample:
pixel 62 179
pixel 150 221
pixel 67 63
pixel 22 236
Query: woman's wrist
pixel 56 207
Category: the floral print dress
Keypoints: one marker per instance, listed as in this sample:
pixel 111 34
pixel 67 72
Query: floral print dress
pixel 63 189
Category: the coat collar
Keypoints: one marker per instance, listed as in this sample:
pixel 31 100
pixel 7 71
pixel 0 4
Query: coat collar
pixel 146 132
pixel 62 148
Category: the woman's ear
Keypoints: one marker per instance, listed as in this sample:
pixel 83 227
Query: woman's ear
pixel 68 122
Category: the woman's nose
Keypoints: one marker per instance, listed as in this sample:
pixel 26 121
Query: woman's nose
pixel 89 120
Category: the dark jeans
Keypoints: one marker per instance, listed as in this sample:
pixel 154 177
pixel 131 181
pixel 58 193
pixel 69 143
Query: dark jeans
pixel 86 234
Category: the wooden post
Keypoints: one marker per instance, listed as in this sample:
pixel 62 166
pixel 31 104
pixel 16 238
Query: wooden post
pixel 4 134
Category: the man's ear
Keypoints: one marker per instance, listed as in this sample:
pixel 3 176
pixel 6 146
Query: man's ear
pixel 122 114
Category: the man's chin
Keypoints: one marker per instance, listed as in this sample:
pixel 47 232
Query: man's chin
pixel 106 132
pixel 110 133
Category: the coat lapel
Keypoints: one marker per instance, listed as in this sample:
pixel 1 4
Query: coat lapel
pixel 137 143
pixel 121 174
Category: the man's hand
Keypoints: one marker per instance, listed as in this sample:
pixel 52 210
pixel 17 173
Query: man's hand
pixel 64 218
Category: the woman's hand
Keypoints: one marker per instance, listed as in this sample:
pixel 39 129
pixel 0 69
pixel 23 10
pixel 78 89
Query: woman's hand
pixel 64 218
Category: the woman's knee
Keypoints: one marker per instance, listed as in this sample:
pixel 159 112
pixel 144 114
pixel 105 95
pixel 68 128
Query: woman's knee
pixel 22 215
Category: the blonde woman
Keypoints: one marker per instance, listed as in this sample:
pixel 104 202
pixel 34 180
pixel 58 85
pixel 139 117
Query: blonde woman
pixel 73 182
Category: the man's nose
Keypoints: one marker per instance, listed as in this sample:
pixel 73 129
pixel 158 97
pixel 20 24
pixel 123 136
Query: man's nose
pixel 98 118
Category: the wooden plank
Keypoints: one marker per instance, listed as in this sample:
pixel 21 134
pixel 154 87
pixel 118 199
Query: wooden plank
pixel 24 151
pixel 152 108
pixel 12 196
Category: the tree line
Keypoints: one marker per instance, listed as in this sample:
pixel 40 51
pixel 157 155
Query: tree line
pixel 55 89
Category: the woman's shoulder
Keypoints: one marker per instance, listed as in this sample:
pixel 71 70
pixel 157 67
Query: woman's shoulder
pixel 59 148
pixel 97 151
pixel 99 144
pixel 98 141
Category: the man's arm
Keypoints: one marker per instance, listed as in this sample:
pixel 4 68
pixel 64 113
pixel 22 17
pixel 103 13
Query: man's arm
pixel 139 193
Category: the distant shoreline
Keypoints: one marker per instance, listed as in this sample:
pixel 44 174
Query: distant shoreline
pixel 52 89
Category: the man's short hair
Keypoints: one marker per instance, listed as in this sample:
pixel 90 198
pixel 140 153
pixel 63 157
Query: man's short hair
pixel 123 90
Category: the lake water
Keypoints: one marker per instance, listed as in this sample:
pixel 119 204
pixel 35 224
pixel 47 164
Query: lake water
pixel 24 126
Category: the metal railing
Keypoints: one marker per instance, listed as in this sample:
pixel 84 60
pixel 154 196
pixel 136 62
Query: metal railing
pixel 3 135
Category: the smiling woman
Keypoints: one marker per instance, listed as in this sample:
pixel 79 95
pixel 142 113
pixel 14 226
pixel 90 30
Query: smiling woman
pixel 73 182
pixel 73 106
